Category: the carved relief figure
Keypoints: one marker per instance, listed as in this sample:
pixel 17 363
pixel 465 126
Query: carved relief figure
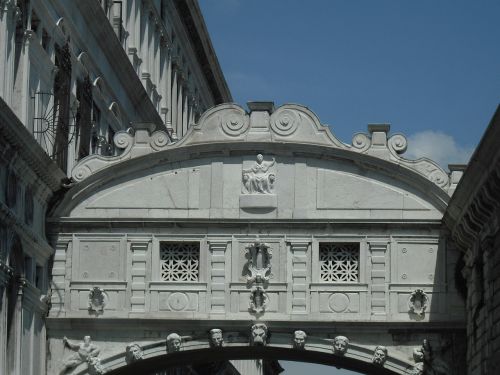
pixel 97 300
pixel 426 362
pixel 340 345
pixel 258 300
pixel 259 256
pixel 216 339
pixel 174 343
pixel 95 366
pixel 299 339
pixel 379 355
pixel 417 304
pixel 258 334
pixel 133 353
pixel 258 179
pixel 84 352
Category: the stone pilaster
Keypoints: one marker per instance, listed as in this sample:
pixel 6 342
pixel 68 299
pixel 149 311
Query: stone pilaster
pixel 59 274
pixel 218 275
pixel 139 251
pixel 379 274
pixel 300 276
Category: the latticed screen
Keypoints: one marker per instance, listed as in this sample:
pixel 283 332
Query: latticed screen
pixel 179 261
pixel 339 262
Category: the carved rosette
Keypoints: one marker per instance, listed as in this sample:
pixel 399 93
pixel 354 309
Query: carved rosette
pixel 284 122
pixel 234 124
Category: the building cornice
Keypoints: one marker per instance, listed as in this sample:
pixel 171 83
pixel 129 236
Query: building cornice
pixel 476 197
pixel 192 19
pixel 103 32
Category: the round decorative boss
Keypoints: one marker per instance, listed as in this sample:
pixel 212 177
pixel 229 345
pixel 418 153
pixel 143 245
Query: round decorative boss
pixel 234 124
pixel 285 122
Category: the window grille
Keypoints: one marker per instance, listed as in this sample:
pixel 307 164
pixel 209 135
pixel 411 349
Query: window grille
pixel 339 262
pixel 179 261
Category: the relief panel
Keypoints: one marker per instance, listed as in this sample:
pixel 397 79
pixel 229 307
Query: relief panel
pixel 178 301
pixel 339 302
pixel 99 259
pixel 416 263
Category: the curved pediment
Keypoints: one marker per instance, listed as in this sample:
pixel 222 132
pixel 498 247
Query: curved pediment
pixel 229 124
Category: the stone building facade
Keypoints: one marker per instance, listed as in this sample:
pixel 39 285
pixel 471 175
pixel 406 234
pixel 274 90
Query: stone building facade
pixel 74 73
pixel 473 217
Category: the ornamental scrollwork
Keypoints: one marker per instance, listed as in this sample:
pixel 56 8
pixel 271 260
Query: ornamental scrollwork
pixel 418 303
pixel 259 257
pixel 97 300
pixel 258 300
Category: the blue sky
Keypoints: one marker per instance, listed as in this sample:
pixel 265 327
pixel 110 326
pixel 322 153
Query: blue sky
pixel 429 68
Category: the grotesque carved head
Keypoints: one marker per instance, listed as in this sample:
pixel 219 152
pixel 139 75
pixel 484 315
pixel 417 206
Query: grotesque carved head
pixel 133 352
pixel 299 339
pixel 174 342
pixel 379 355
pixel 340 344
pixel 216 339
pixel 259 334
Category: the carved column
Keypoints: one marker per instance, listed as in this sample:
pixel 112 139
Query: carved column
pixel 379 274
pixel 185 111
pixel 180 97
pixel 218 275
pixel 173 101
pixel 59 274
pixel 168 96
pixel 300 276
pixel 139 251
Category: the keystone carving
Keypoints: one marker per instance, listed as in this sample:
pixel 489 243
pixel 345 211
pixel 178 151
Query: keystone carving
pixel 259 179
pixel 299 339
pixel 133 353
pixel 259 334
pixel 340 345
pixel 418 302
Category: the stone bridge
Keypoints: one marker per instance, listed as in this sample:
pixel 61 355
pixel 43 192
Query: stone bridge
pixel 260 236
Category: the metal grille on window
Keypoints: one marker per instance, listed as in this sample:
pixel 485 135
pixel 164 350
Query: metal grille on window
pixel 339 262
pixel 179 261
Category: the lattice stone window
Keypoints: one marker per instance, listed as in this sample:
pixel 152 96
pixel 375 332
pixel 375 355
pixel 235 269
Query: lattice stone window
pixel 179 261
pixel 339 262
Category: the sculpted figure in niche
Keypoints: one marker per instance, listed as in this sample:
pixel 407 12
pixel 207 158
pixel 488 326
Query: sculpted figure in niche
pixel 340 344
pixel 216 339
pixel 174 343
pixel 133 353
pixel 258 179
pixel 379 355
pixel 258 300
pixel 259 257
pixel 259 334
pixel 84 352
pixel 299 339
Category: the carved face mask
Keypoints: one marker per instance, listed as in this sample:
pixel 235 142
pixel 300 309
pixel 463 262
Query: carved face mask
pixel 379 357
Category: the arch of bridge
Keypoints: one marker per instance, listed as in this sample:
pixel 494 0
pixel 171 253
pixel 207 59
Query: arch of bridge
pixel 211 188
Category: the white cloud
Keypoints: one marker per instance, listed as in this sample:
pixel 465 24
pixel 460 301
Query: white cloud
pixel 437 146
